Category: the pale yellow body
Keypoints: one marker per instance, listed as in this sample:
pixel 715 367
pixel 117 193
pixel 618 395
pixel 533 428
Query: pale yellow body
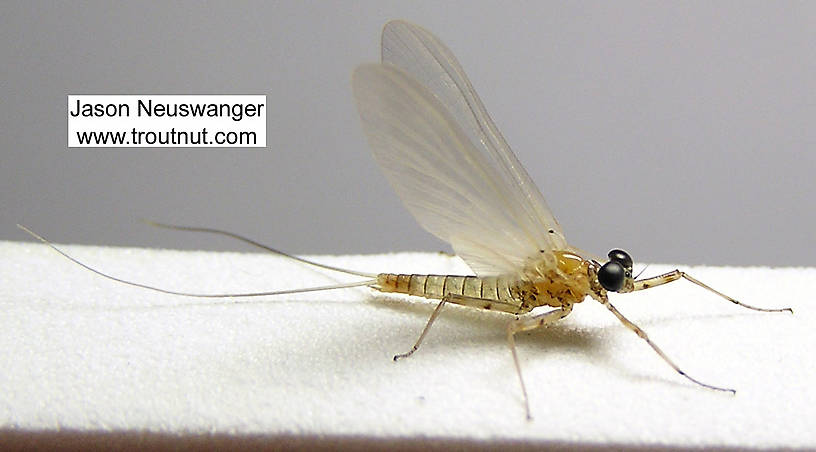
pixel 541 284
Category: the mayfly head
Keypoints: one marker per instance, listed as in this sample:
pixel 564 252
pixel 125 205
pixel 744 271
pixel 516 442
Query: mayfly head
pixel 616 275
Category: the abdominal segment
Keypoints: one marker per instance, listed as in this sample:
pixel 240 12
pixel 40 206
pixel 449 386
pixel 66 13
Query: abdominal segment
pixel 491 293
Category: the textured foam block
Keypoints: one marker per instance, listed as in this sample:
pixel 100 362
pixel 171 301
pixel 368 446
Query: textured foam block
pixel 81 352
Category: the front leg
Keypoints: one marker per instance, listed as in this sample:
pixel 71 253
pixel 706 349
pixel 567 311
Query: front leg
pixel 642 334
pixel 677 274
pixel 527 324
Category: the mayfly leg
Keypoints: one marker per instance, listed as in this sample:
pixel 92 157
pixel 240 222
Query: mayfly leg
pixel 474 302
pixel 677 274
pixel 433 317
pixel 526 324
pixel 642 334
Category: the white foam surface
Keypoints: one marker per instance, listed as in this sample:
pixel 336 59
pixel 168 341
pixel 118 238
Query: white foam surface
pixel 81 352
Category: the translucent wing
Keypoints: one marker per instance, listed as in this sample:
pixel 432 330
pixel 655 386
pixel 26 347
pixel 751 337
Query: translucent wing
pixel 445 158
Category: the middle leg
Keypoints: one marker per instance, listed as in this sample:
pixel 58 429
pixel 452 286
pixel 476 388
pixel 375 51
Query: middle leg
pixel 527 324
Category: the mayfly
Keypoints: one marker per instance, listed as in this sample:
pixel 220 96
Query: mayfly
pixel 455 173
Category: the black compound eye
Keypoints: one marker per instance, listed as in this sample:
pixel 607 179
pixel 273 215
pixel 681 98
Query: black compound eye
pixel 622 257
pixel 611 276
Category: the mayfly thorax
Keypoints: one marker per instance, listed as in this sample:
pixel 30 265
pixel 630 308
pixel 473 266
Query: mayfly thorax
pixel 453 170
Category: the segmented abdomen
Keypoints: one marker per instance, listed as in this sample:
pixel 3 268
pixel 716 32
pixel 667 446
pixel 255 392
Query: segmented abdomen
pixel 491 292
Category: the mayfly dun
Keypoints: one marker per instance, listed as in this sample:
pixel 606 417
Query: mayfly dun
pixel 455 173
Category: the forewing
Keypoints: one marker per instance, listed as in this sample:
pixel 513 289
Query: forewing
pixel 455 191
pixel 424 57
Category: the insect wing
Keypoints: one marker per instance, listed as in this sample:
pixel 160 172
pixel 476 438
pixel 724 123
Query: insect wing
pixel 450 188
pixel 423 56
pixel 445 158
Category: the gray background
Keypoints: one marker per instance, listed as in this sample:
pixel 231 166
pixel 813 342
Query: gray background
pixel 683 132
